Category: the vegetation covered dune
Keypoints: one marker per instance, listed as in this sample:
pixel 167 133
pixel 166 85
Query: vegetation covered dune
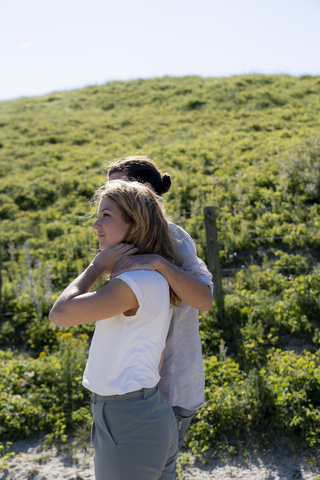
pixel 249 146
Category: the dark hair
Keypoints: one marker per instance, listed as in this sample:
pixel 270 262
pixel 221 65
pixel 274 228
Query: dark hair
pixel 142 169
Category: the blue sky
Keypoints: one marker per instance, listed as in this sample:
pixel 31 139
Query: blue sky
pixel 47 46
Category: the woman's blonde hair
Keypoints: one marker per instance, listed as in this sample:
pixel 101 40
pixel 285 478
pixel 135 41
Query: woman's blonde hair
pixel 143 209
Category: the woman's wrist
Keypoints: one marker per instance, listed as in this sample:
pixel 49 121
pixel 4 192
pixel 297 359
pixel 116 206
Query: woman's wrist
pixel 95 271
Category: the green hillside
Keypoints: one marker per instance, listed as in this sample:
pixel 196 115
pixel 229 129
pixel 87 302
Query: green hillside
pixel 249 145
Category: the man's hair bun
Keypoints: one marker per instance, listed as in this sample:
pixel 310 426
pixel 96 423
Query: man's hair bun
pixel 165 182
pixel 143 170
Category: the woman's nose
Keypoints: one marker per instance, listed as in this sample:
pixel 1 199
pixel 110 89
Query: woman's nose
pixel 96 224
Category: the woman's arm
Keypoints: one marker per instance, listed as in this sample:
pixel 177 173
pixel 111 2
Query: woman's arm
pixel 189 288
pixel 76 305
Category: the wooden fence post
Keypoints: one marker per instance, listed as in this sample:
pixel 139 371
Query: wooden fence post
pixel 0 277
pixel 213 255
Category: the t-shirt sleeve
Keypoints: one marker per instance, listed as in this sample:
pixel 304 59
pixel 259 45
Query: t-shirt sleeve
pixel 130 280
pixel 150 288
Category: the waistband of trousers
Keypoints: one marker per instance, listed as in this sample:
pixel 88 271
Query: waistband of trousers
pixel 143 393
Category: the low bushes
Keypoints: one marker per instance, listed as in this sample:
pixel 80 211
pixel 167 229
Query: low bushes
pixel 44 394
pixel 281 398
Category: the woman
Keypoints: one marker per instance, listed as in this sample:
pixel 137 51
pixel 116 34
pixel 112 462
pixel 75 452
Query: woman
pixel 182 378
pixel 134 430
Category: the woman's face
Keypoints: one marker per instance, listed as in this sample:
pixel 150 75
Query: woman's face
pixel 110 225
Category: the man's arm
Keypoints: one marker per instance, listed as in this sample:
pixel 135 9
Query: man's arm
pixel 189 288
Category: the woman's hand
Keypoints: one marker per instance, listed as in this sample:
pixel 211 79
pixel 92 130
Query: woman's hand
pixel 107 258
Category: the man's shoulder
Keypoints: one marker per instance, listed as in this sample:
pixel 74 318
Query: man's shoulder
pixel 178 232
pixel 191 262
pixel 186 243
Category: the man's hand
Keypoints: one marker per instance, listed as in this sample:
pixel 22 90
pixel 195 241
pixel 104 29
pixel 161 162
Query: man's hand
pixel 105 261
pixel 127 263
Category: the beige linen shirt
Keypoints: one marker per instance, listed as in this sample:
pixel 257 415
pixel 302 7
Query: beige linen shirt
pixel 182 377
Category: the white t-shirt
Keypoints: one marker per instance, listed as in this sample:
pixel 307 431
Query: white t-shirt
pixel 125 351
pixel 182 377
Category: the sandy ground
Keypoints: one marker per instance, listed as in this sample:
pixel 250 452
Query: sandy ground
pixel 33 462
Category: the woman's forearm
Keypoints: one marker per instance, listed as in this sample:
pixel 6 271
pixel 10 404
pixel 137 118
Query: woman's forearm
pixel 76 305
pixel 81 285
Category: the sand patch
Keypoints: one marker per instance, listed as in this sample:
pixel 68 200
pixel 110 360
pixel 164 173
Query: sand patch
pixel 37 463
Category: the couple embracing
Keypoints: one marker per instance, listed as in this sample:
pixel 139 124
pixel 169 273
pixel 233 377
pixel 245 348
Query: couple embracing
pixel 145 362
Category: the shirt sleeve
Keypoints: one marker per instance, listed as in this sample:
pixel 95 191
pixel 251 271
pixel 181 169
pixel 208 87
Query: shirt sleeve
pixel 190 261
pixel 130 280
pixel 150 288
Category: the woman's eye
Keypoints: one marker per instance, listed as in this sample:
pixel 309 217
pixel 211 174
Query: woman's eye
pixel 106 215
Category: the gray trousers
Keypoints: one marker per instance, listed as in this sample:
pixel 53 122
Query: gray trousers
pixel 134 435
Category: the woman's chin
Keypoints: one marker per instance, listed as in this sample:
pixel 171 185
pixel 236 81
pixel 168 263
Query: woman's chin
pixel 102 246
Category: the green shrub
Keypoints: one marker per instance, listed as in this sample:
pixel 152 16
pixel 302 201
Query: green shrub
pixel 294 384
pixel 282 398
pixel 233 404
pixel 301 171
pixel 44 394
